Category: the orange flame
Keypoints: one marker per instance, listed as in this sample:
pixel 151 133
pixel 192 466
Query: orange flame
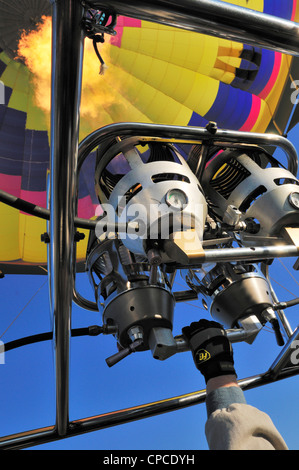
pixel 100 100
pixel 35 49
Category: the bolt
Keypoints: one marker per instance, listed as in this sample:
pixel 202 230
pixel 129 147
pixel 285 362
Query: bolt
pixel 79 236
pixel 154 257
pixel 211 127
pixel 45 237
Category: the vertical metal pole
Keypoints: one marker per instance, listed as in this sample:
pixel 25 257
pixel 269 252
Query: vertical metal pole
pixel 284 321
pixel 284 356
pixel 67 57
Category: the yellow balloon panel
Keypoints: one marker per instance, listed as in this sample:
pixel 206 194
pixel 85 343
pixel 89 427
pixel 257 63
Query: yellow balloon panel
pixel 9 236
pixel 185 49
pixel 31 248
pixel 171 80
pixel 257 5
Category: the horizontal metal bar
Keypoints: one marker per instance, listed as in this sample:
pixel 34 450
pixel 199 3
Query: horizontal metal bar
pixel 221 137
pixel 244 254
pixel 235 335
pixel 218 255
pixel 26 439
pixel 215 18
pixel 115 418
pixel 41 212
pixel 162 347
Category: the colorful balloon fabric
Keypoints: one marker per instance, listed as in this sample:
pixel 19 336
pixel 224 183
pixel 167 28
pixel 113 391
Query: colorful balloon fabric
pixel 155 74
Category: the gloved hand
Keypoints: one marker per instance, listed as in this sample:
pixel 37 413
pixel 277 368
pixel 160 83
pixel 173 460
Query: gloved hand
pixel 210 347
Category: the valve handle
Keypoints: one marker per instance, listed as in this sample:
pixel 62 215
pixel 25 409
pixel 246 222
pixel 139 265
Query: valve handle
pixel 115 358
pixel 275 325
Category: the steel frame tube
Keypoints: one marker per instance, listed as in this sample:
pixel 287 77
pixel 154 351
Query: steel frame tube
pixel 235 335
pixel 244 254
pixel 212 17
pixel 219 255
pixel 67 56
pixel 115 418
pixel 284 356
pixel 280 313
pixel 221 137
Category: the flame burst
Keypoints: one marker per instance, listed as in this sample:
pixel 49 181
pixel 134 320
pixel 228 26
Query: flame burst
pixel 35 49
pixel 101 104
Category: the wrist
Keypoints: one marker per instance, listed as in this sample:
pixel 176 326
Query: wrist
pixel 212 368
pixel 221 394
pixel 229 380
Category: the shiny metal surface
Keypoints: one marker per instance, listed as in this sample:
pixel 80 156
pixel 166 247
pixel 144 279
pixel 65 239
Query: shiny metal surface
pixel 67 55
pixel 155 214
pixel 235 335
pixel 214 18
pixel 241 254
pixel 270 203
pixel 221 137
pixel 283 357
pixel 280 313
pixel 231 292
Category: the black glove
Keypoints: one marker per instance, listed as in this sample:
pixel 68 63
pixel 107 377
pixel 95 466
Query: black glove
pixel 211 348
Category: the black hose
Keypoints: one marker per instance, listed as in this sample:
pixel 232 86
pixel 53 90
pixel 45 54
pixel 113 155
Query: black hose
pixel 43 213
pixel 17 343
pixel 40 212
pixel 95 41
pixel 287 304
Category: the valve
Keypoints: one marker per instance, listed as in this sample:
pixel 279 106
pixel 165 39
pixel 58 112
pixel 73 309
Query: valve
pixel 124 352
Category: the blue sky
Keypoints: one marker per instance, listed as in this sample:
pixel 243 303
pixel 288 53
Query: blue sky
pixel 27 377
